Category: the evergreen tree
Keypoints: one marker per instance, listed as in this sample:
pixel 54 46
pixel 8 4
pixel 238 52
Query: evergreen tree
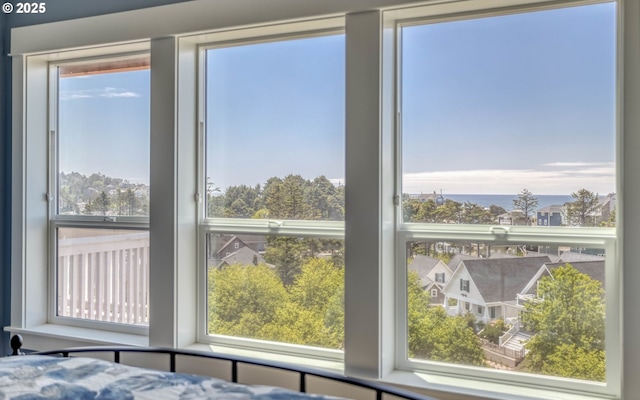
pixel 582 211
pixel 526 203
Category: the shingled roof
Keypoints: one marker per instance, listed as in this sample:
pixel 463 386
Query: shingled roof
pixel 457 259
pixel 501 279
pixel 595 269
pixel 242 256
pixel 572 256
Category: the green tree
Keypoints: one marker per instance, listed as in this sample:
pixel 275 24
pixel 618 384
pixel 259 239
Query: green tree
pixel 322 199
pixel 287 254
pixel 315 314
pixel 274 198
pixel 526 203
pixel 242 201
pixel 295 207
pixel 449 213
pixel 244 299
pixel 251 301
pixel 131 202
pixel 582 210
pixel 436 336
pixel 569 316
pixel 496 210
pixel 611 222
pixel 101 203
pixel 474 214
pixel 426 211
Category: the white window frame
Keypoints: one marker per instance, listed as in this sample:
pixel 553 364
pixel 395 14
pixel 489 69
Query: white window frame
pixel 582 237
pixel 370 276
pixel 239 226
pixel 56 220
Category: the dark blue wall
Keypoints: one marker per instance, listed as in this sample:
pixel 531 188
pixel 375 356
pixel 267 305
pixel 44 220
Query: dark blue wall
pixel 57 10
pixel 4 192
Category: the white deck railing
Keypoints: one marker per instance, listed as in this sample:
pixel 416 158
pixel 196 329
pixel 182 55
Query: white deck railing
pixel 105 278
pixel 515 328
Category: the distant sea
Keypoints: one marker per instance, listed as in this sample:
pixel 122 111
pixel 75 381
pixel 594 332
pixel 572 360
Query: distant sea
pixel 506 200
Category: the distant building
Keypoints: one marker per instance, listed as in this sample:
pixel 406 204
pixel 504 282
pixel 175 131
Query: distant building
pixel 422 197
pixel 220 246
pixel 607 207
pixel 515 217
pixel 550 216
pixel 243 256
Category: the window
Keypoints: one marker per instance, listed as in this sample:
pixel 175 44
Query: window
pixel 434 292
pixel 100 178
pixel 279 107
pixel 440 277
pixel 486 83
pixel 432 164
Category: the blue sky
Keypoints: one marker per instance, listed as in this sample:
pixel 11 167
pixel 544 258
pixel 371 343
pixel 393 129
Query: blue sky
pixel 104 125
pixel 490 105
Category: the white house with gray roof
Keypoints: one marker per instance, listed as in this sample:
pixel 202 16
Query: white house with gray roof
pixel 489 288
pixel 433 274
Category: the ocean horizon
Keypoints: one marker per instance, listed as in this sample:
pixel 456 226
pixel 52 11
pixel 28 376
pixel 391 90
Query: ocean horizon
pixel 506 200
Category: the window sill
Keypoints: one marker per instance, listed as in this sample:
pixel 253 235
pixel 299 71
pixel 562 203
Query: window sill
pixel 448 387
pixel 52 337
pixel 444 387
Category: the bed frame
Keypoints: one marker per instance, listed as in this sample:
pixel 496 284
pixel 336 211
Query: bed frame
pixel 378 391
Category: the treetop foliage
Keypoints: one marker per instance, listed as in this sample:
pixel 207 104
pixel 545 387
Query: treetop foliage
pixel 100 194
pixel 291 197
pixel 569 324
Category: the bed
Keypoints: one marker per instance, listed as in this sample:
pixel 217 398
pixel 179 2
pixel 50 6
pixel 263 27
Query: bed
pixel 109 373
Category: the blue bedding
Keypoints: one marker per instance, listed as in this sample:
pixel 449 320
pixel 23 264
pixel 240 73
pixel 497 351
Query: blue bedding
pixel 42 377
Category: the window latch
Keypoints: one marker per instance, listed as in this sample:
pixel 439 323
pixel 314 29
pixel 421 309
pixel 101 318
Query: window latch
pixel 500 231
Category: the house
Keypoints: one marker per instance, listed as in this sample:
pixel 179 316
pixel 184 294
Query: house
pixel 220 246
pixel 433 274
pixel 607 207
pixel 513 217
pixel 569 256
pixel 550 216
pixel 489 288
pixel 243 256
pixel 422 197
pixel 457 258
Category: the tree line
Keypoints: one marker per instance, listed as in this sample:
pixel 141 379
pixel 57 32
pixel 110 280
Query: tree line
pixel 584 210
pixel 98 194
pixel 291 197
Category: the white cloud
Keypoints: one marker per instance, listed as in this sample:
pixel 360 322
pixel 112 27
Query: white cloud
pixel 108 92
pixel 596 177
pixel 560 178
pixel 577 164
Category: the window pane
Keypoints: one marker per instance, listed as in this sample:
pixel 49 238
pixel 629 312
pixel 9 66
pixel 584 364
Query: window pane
pixel 275 130
pixel 103 138
pixel 103 275
pixel 511 119
pixel 524 308
pixel 277 288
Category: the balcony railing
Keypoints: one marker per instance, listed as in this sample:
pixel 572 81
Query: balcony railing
pixel 104 278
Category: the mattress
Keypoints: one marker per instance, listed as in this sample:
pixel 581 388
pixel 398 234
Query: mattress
pixel 35 377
